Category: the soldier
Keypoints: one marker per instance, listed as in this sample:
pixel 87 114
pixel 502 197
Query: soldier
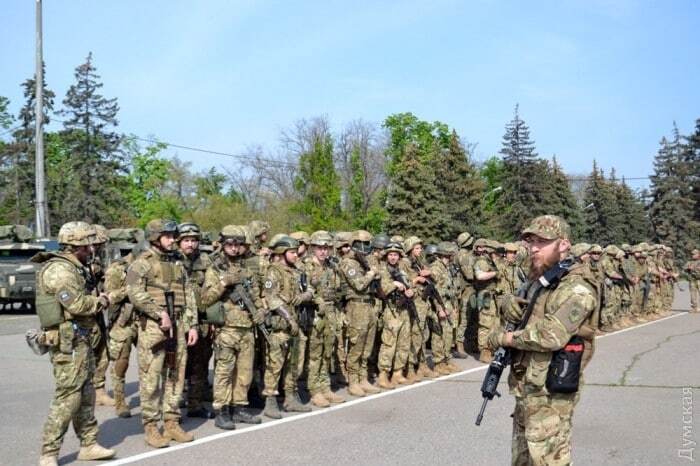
pixel 324 280
pixel 342 239
pixel 360 309
pixel 465 262
pixel 612 289
pixel 162 339
pixel 196 264
pixel 692 269
pixel 259 230
pixel 283 294
pixel 67 311
pixel 123 323
pixel 441 343
pixel 304 239
pixel 396 328
pixel 228 286
pixel 643 283
pixel 560 311
pixel 513 275
pixel 485 283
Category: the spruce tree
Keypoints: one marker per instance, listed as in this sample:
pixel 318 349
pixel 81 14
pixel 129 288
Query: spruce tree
pixel 318 186
pixel 631 215
pixel 600 210
pixel 414 202
pixel 462 189
pixel 98 162
pixel 672 209
pixel 692 160
pixel 561 201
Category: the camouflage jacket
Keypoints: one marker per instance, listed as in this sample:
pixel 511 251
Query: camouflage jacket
pixel 483 263
pixel 281 287
pixel 693 269
pixel 115 287
pixel 444 283
pixel 153 273
pixel 558 314
pixel 355 277
pixel 325 282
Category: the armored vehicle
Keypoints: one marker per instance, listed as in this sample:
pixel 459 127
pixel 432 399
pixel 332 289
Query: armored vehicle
pixel 17 274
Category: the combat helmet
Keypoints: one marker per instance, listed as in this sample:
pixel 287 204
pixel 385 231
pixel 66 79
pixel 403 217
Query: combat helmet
pixel 362 241
pixel 445 248
pixel 258 227
pixel 158 227
pixel 101 236
pixel 233 234
pixel 284 244
pixel 76 234
pixel 394 247
pixel 188 229
pixel 321 238
pixel 411 243
pixel 342 238
pixel 430 250
pixel 580 249
pixel 380 241
pixel 465 239
pixel 301 236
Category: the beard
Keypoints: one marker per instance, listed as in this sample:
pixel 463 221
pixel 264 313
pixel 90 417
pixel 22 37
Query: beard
pixel 541 261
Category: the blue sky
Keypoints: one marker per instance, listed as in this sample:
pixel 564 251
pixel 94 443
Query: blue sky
pixel 603 79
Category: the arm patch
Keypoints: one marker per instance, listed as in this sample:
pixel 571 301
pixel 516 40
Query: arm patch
pixel 66 297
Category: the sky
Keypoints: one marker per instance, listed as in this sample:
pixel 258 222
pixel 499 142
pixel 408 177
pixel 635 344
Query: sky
pixel 593 79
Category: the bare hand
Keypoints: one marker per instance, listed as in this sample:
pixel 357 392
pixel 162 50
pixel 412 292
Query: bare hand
pixel 192 337
pixel 165 322
pixel 409 293
pixel 399 286
pixel 425 272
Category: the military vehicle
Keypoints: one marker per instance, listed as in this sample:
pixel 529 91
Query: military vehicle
pixel 17 274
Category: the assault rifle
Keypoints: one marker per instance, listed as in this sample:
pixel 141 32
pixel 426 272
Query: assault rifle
pixel 307 311
pixel 171 341
pixel 430 294
pixel 401 299
pixel 241 296
pixel 374 288
pixel 502 356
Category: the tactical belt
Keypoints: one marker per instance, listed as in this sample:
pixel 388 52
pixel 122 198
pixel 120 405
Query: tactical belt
pixel 362 300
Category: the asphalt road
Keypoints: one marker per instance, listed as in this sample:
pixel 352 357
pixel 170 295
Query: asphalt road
pixel 636 408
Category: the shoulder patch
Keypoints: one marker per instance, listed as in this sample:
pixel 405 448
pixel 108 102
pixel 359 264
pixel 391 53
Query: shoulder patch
pixel 268 283
pixel 352 272
pixel 580 289
pixel 65 296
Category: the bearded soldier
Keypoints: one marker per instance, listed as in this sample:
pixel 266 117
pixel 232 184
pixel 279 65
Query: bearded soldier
pixel 324 280
pixel 228 289
pixel 154 280
pixel 67 310
pixel 282 292
pixel 196 263
pixel 561 317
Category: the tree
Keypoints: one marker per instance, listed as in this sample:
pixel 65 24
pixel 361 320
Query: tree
pixel 524 195
pixel 413 200
pixel 631 214
pixel 6 117
pixel 600 212
pixel 405 129
pixel 672 208
pixel 461 187
pixel 561 200
pixel 318 186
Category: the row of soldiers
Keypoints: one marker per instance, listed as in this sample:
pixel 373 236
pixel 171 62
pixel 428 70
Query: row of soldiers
pixel 277 315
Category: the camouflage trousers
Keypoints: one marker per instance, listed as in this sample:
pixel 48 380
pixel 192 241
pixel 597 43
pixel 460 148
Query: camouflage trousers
pixel 234 352
pixel 321 339
pixel 99 348
pixel 542 430
pixel 160 386
pixel 197 370
pixel 362 327
pixel 338 322
pixel 611 306
pixel 694 286
pixel 441 345
pixel 121 340
pixel 419 333
pixel 395 340
pixel 669 289
pixel 488 317
pixel 278 359
pixel 463 320
pixel 73 400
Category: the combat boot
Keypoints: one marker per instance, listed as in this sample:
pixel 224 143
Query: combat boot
pixel 48 460
pixel 173 431
pixel 411 376
pixel 95 452
pixel 102 398
pixel 240 414
pixel 320 401
pixel 442 369
pixel 334 398
pixel 425 371
pixel 384 382
pixel 460 353
pixel 272 409
pixel 153 437
pixel 223 419
pixel 120 406
pixel 293 404
pixel 368 387
pixel 398 378
pixel 356 390
pixel 452 367
pixel 486 356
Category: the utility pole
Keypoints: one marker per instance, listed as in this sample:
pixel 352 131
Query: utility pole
pixel 42 224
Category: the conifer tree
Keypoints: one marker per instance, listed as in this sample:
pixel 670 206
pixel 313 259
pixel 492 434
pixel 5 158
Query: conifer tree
pixel 600 210
pixel 561 201
pixel 631 215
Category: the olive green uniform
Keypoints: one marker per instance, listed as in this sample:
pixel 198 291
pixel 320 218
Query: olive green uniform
pixel 485 297
pixel 396 330
pixel 441 345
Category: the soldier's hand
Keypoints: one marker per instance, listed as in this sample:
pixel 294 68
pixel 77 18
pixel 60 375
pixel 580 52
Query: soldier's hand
pixel 192 337
pixel 419 279
pixel 409 293
pixel 165 323
pixel 259 317
pixel 293 328
pixel 265 251
pixel 399 286
pixel 441 314
pixel 231 278
pixel 304 297
pixel 425 273
pixel 512 307
pixel 103 301
pixel 495 338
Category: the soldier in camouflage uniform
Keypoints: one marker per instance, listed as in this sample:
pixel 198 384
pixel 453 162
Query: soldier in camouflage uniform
pixel 155 272
pixel 513 275
pixel 282 292
pixel 396 328
pixel 234 342
pixel 259 230
pixel 123 331
pixel 669 279
pixel 485 284
pixel 342 241
pixel 440 274
pixel 196 263
pixel 325 281
pixel 542 419
pixel 62 292
pixel 302 257
pixel 612 286
pixel 692 269
pixel 361 311
pixel 465 262
pixel 642 282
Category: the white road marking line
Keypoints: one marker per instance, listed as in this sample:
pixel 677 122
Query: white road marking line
pixel 5 319
pixel 347 404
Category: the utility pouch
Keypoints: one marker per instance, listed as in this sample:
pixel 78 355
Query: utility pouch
pixel 215 314
pixel 565 368
pixel 65 337
pixel 49 310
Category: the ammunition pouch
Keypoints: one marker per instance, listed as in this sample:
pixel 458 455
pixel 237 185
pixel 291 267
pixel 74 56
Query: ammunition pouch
pixel 49 310
pixel 483 300
pixel 565 368
pixel 215 314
